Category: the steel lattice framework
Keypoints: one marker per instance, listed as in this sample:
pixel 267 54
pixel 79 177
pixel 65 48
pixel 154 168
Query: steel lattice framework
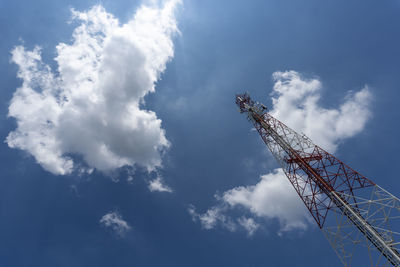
pixel 353 212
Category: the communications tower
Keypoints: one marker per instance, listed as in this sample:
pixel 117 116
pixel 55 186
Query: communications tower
pixel 359 218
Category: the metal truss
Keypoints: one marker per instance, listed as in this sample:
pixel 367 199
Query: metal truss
pixel 352 211
pixel 381 210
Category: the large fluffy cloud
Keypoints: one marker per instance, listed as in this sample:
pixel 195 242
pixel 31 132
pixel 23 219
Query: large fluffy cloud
pixel 295 101
pixel 92 105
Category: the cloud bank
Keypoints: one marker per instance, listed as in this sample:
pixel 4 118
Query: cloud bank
pixel 115 222
pixel 92 105
pixel 295 101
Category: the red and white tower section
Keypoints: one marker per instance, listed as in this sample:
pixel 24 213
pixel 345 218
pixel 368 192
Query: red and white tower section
pixel 358 217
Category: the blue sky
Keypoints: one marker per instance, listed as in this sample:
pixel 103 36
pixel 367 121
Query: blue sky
pixel 224 48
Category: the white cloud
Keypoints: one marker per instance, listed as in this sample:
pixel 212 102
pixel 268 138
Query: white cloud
pixel 249 225
pixel 158 185
pixel 272 197
pixel 296 103
pixel 212 217
pixel 217 216
pixel 208 220
pixel 91 106
pixel 116 223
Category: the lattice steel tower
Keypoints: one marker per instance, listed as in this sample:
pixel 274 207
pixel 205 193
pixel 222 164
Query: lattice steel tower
pixel 354 213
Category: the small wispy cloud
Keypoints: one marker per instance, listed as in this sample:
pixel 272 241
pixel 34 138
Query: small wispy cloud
pixel 157 185
pixel 212 218
pixel 217 215
pixel 115 222
pixel 249 225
